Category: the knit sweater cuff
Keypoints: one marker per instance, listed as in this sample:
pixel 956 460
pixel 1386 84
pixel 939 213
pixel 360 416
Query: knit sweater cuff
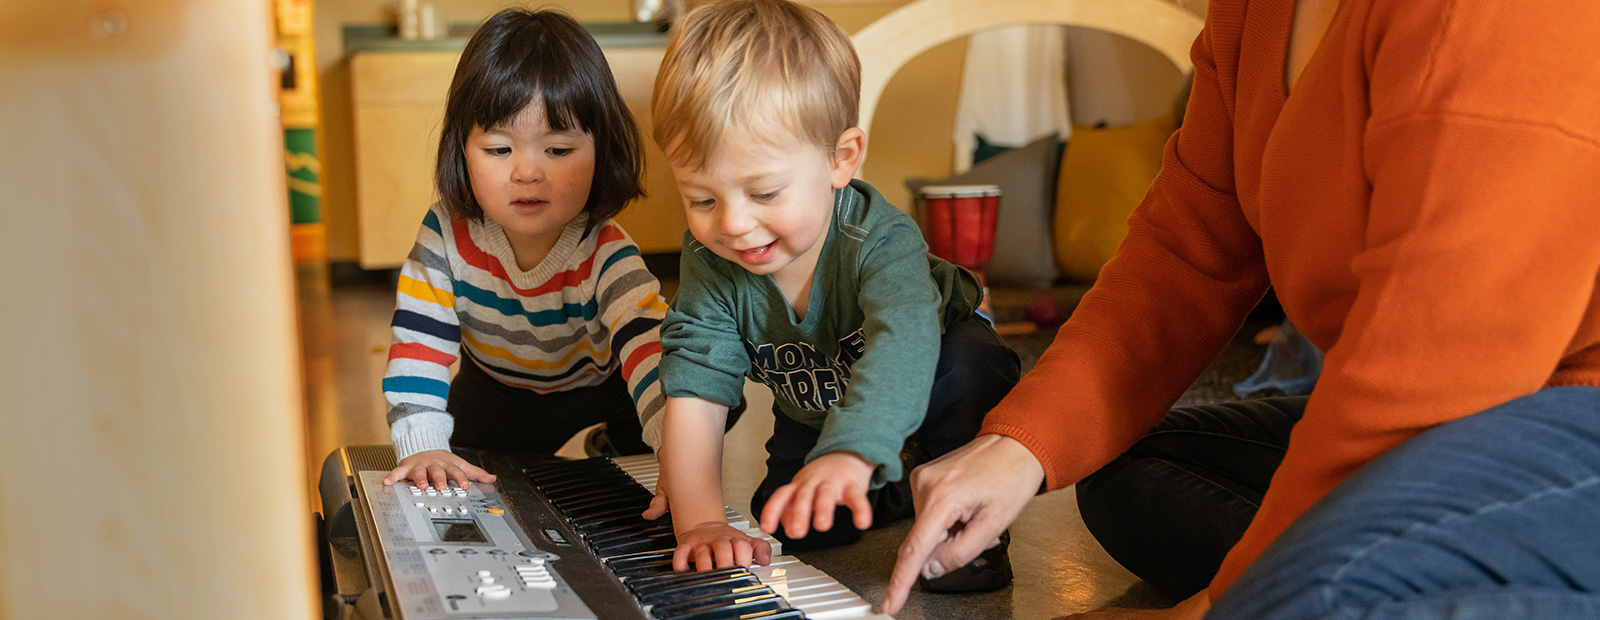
pixel 421 432
pixel 652 431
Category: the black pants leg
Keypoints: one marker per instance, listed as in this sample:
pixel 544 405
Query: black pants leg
pixel 492 415
pixel 1171 507
pixel 975 371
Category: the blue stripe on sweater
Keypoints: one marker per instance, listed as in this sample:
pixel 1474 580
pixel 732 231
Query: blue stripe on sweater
pixel 619 255
pixel 426 325
pixel 417 385
pixel 431 220
pixel 513 307
pixel 648 380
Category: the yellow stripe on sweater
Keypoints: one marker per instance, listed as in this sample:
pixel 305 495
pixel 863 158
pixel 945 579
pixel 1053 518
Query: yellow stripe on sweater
pixel 651 301
pixel 417 289
pixel 601 357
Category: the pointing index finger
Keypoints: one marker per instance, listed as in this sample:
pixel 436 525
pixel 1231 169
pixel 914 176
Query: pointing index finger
pixel 927 534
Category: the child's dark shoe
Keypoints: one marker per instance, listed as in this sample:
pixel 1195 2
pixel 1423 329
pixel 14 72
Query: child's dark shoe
pixel 990 571
pixel 598 443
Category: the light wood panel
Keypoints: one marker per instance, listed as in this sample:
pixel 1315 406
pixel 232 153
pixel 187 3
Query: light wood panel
pixel 398 100
pixel 399 109
pixel 152 455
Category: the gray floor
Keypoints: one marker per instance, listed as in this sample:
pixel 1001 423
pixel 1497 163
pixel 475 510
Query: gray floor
pixel 1059 567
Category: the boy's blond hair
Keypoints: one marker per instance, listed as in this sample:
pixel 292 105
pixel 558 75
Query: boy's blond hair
pixel 750 65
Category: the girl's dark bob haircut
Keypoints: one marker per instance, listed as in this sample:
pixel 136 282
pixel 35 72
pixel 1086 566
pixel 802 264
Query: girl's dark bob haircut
pixel 519 56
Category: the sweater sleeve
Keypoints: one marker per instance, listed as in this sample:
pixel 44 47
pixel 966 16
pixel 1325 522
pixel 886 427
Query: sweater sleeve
pixel 426 341
pixel 1177 289
pixel 1481 250
pixel 702 354
pixel 889 385
pixel 631 308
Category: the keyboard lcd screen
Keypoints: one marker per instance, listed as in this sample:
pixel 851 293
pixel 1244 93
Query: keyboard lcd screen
pixel 458 531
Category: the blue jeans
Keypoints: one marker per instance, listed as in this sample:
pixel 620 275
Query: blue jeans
pixel 1492 516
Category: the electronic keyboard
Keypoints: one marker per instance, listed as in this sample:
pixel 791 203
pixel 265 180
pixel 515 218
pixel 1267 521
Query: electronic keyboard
pixel 551 539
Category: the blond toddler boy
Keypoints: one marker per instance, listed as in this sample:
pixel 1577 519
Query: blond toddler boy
pixel 809 282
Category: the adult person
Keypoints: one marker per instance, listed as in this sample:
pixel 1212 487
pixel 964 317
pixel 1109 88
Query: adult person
pixel 1420 184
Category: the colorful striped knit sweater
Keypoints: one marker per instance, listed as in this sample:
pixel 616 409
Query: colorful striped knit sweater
pixel 587 310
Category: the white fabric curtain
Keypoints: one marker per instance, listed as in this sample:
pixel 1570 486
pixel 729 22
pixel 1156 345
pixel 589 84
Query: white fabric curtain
pixel 1014 88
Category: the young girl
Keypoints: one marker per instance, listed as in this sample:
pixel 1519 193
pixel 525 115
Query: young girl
pixel 518 268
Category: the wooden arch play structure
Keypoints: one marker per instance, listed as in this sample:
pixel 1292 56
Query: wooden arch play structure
pixel 889 43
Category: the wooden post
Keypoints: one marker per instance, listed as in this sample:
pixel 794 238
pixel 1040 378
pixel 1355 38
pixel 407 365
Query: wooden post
pixel 150 458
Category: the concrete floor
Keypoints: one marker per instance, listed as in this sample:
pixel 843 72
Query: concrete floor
pixel 1059 567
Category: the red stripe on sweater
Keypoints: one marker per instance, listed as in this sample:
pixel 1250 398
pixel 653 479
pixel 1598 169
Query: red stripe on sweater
pixel 639 355
pixel 419 351
pixel 476 257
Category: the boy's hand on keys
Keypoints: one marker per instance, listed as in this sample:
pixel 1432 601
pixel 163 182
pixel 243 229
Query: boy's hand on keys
pixel 718 545
pixel 834 479
pixel 658 505
pixel 436 469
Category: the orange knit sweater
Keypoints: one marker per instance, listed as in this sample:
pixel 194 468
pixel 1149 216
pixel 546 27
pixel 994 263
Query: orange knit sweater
pixel 1426 205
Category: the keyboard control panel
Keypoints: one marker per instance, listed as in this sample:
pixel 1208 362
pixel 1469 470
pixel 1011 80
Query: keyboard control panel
pixel 457 553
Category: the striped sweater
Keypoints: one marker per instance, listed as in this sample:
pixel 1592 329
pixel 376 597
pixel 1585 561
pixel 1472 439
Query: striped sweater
pixel 589 309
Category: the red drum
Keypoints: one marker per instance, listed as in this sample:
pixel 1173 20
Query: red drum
pixel 958 222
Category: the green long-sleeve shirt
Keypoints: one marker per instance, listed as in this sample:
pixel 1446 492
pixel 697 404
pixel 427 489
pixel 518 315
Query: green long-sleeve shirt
pixel 859 367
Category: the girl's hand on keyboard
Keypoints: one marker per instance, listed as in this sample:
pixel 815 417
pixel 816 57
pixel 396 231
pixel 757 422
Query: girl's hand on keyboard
pixel 718 545
pixel 832 480
pixel 437 469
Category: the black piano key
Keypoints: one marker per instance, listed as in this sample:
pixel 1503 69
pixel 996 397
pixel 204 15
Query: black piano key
pixel 576 482
pixel 649 543
pixel 637 524
pixel 694 603
pixel 591 526
pixel 569 469
pixel 643 569
pixel 623 534
pixel 587 488
pixel 581 521
pixel 616 506
pixel 588 494
pixel 736 611
pixel 677 598
pixel 646 556
pixel 589 484
pixel 592 506
pixel 579 482
pixel 667 592
pixel 652 584
pixel 566 465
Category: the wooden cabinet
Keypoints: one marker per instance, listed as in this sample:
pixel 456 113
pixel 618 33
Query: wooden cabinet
pixel 398 99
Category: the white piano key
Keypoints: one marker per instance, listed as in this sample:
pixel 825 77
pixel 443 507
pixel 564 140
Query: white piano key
pixel 812 591
pixel 755 532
